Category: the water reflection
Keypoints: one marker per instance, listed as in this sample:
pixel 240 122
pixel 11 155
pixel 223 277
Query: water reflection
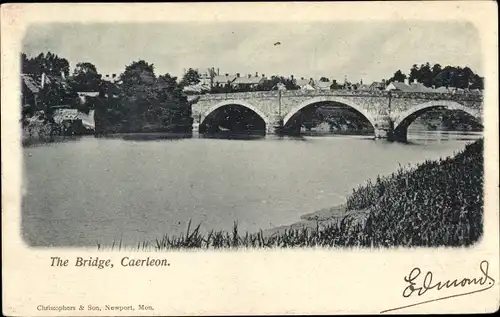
pixel 414 138
pixel 156 136
pixel 53 139
pixel 229 135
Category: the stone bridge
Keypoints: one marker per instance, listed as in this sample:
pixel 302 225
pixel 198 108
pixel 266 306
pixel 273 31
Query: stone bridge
pixel 390 113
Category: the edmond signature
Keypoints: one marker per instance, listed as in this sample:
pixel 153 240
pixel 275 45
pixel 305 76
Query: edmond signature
pixel 419 284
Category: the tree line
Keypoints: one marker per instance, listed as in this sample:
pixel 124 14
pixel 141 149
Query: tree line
pixel 437 76
pixel 142 102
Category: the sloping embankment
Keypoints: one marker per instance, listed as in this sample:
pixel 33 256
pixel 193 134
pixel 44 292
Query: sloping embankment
pixel 436 203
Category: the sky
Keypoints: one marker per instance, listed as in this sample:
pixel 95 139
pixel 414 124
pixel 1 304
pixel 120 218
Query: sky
pixel 361 51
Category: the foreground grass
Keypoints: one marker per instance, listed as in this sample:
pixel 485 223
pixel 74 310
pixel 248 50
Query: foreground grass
pixel 436 203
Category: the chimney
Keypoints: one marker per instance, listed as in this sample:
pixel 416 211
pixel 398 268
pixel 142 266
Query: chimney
pixel 256 74
pixel 63 76
pixel 301 78
pixel 263 76
pixel 415 81
pixel 114 75
pixel 43 80
pixel 238 75
pixel 406 81
pixel 249 75
pixel 217 72
pixel 291 76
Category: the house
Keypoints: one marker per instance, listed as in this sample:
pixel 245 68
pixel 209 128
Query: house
pixel 441 90
pixel 196 89
pixel 248 82
pixel 30 90
pixel 86 94
pixel 377 85
pixel 397 86
pixel 305 84
pixel 419 87
pixel 32 85
pixel 112 79
pixel 322 85
pixel 71 119
pixel 111 89
pixel 364 87
pixel 223 80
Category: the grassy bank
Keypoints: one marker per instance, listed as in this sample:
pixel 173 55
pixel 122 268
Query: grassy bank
pixel 436 203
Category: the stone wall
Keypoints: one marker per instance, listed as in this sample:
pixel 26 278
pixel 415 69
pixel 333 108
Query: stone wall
pixel 344 92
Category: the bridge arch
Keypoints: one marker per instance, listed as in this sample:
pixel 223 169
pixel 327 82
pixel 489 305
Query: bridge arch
pixel 336 99
pixel 236 102
pixel 408 116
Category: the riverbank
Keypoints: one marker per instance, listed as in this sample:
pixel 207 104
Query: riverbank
pixel 322 219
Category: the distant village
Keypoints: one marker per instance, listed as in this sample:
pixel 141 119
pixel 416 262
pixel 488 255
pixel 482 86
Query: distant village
pixel 213 79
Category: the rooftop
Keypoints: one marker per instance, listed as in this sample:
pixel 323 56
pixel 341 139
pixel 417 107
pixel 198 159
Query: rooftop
pixel 323 85
pixel 220 79
pixel 248 80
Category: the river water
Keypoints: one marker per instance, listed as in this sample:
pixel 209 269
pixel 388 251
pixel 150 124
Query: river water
pixel 99 190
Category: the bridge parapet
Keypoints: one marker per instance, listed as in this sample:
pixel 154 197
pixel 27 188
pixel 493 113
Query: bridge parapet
pixel 472 97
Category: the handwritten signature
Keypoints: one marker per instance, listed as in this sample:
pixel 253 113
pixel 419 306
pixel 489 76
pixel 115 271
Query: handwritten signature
pixel 418 287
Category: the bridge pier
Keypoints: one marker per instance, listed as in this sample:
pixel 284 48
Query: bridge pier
pixel 398 135
pixel 383 127
pixel 381 133
pixel 388 132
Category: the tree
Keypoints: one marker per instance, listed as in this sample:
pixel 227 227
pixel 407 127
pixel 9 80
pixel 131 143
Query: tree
pixel 53 95
pixel 147 103
pixel 138 80
pixel 272 83
pixel 426 77
pixel 334 85
pixel 458 77
pixel 25 64
pixel 49 63
pixel 414 73
pixel 398 76
pixel 191 77
pixel 449 76
pixel 436 69
pixel 86 77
